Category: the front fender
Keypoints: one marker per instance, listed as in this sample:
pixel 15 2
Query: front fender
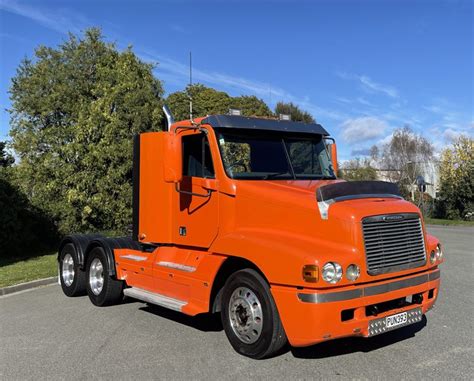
pixel 281 255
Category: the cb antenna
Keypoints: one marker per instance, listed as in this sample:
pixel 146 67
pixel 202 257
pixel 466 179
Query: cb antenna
pixel 190 87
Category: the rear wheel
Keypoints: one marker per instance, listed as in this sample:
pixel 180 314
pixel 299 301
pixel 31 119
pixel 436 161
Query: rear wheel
pixel 102 289
pixel 250 317
pixel 72 278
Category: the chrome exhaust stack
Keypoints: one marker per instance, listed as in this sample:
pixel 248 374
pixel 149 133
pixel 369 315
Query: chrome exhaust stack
pixel 169 117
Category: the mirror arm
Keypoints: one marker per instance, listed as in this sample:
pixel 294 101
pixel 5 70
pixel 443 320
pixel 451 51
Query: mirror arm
pixel 193 127
pixel 208 194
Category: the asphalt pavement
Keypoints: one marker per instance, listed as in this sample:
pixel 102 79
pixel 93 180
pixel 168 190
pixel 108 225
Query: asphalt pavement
pixel 45 335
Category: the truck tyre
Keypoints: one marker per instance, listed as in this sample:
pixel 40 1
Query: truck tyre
pixel 102 289
pixel 71 277
pixel 250 317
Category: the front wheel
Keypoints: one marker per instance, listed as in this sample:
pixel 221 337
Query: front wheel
pixel 250 317
pixel 102 289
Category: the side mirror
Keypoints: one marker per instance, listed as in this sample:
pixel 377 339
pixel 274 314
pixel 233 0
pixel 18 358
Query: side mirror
pixel 331 143
pixel 334 157
pixel 172 158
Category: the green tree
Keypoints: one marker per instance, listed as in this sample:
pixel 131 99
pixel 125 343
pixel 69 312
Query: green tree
pixel 6 160
pixel 75 109
pixel 294 111
pixel 25 229
pixel 456 197
pixel 358 169
pixel 207 101
pixel 251 106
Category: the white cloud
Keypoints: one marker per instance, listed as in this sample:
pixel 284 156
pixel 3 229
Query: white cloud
pixel 360 152
pixel 434 109
pixel 370 85
pixel 343 100
pixel 178 73
pixel 378 87
pixel 363 129
pixel 59 20
pixel 168 69
pixel 385 140
pixel 451 135
pixel 364 102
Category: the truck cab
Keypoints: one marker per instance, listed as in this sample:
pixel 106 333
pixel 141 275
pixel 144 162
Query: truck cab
pixel 245 217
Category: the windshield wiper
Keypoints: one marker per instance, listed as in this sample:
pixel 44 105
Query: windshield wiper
pixel 276 174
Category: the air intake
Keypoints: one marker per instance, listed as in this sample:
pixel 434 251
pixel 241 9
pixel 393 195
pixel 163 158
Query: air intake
pixel 393 242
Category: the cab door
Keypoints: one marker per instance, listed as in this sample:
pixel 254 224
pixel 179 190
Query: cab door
pixel 198 207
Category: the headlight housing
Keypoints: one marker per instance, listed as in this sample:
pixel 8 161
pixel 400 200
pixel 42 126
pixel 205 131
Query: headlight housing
pixel 332 272
pixel 439 252
pixel 352 272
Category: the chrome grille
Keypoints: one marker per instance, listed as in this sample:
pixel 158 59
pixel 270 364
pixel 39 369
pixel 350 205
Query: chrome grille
pixel 393 242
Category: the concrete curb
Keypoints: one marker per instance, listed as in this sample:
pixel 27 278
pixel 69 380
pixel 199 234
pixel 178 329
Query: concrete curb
pixel 26 286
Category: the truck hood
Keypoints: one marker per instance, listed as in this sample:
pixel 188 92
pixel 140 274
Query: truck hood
pixel 291 206
pixel 302 194
pixel 282 219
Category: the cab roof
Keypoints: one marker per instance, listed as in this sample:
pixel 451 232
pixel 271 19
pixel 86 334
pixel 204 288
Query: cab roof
pixel 252 123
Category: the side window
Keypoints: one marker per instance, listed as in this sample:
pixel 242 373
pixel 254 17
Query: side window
pixel 197 159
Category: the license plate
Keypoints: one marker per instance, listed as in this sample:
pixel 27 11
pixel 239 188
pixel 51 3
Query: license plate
pixel 396 320
pixel 388 323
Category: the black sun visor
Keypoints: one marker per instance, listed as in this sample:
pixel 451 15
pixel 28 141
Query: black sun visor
pixel 347 190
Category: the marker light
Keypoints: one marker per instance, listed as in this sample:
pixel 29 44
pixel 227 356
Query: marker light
pixel 311 273
pixel 235 112
pixel 332 272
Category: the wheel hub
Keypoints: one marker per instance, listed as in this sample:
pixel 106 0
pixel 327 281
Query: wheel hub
pixel 245 314
pixel 67 270
pixel 96 276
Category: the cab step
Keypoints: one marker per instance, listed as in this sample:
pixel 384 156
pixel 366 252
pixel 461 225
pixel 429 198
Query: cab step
pixel 154 298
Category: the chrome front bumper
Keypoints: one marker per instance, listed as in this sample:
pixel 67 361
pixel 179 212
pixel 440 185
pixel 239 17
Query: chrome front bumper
pixel 340 296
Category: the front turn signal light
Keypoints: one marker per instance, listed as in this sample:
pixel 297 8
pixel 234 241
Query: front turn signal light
pixel 311 273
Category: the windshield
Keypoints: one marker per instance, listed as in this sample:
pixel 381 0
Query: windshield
pixel 257 155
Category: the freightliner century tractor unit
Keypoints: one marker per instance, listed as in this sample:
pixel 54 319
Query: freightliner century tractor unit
pixel 245 217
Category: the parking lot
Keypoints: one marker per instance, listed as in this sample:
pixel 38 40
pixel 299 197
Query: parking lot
pixel 43 335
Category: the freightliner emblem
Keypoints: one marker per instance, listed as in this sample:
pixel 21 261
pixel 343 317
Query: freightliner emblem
pixel 393 218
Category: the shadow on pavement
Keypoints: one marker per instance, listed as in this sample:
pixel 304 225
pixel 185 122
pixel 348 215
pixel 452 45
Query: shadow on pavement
pixel 202 322
pixel 357 344
pixel 212 323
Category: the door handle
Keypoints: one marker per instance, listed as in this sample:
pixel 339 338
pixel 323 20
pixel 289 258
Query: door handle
pixel 178 189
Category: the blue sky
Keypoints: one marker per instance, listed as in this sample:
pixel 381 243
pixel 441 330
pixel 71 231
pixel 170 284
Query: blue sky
pixel 362 68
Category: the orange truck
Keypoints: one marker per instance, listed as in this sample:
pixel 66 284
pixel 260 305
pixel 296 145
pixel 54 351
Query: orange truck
pixel 245 217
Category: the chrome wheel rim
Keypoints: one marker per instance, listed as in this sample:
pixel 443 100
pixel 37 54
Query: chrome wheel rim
pixel 96 276
pixel 245 315
pixel 67 270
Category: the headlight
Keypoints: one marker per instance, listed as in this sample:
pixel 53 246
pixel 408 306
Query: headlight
pixel 352 272
pixel 332 272
pixel 432 257
pixel 439 253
